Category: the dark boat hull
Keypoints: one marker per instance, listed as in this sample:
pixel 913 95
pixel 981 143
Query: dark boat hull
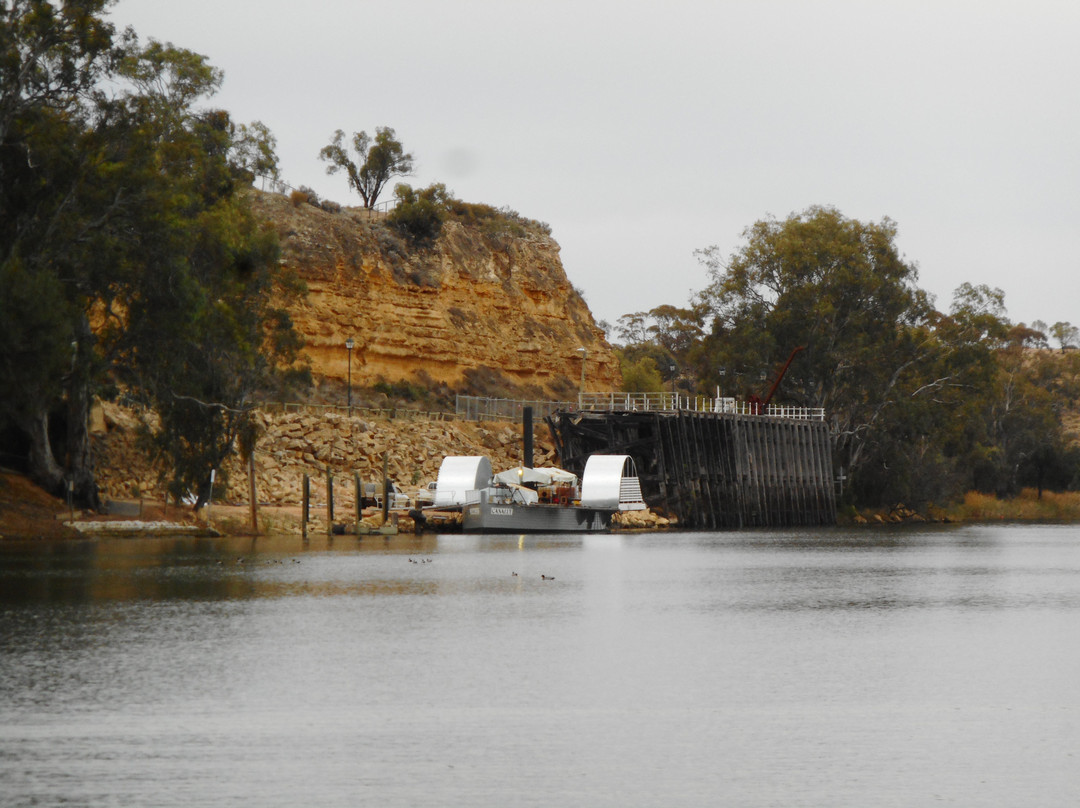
pixel 485 517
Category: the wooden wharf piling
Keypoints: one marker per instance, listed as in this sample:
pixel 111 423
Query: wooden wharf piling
pixel 712 469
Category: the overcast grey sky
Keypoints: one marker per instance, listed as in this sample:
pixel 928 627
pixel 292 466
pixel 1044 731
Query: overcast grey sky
pixel 644 131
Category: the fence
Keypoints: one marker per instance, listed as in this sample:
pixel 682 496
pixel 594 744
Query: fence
pixel 276 186
pixel 476 408
pixel 370 412
pixel 647 402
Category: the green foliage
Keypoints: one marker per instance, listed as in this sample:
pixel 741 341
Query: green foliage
pixel 254 151
pixel 121 204
pixel 496 223
pixel 381 159
pixel 837 287
pixel 640 376
pixel 403 390
pixel 924 405
pixel 419 213
pixel 1066 334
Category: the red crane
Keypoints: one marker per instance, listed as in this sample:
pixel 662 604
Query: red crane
pixel 758 405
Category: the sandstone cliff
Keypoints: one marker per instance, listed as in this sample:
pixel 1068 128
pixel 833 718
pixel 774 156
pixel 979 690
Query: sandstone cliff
pixel 480 311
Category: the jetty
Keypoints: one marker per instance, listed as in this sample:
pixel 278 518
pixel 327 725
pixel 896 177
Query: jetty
pixel 720 466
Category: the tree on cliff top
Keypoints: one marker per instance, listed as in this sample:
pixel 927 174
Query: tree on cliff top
pixel 383 159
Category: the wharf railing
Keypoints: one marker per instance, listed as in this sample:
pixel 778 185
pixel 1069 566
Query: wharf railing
pixel 479 408
pixel 648 402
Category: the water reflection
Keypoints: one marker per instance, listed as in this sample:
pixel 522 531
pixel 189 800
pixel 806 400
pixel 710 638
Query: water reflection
pixel 822 668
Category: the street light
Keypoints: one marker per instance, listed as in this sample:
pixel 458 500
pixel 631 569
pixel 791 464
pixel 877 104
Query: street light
pixel 671 369
pixel 581 390
pixel 349 346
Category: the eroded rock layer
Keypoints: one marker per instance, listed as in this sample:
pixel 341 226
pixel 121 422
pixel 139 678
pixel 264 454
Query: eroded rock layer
pixel 479 310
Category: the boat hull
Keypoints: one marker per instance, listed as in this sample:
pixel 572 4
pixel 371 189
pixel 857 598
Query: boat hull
pixel 486 517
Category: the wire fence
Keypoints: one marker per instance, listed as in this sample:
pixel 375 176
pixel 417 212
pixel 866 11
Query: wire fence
pixel 479 408
pixel 369 412
pixel 274 185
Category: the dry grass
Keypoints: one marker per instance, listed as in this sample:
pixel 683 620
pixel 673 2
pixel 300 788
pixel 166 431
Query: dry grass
pixel 1027 507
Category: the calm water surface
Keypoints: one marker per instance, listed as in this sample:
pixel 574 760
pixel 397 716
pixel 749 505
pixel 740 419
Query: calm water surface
pixel 830 668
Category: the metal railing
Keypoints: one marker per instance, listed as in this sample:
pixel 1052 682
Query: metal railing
pixel 646 402
pixel 478 408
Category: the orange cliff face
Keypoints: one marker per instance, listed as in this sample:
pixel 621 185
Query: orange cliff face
pixel 475 310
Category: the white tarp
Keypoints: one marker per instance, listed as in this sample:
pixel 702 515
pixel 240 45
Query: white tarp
pixel 610 481
pixel 460 475
pixel 541 476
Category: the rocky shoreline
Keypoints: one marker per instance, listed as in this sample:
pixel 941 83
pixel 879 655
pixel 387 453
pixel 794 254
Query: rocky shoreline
pixel 312 441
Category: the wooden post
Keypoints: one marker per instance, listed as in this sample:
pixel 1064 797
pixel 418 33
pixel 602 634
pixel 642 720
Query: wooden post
pixel 329 502
pixel 251 495
pixel 210 499
pixel 359 486
pixel 385 487
pixel 305 511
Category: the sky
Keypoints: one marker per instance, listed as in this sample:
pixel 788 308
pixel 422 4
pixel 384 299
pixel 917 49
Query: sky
pixel 642 132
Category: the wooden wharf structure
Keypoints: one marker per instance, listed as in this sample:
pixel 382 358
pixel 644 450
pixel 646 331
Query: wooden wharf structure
pixel 712 469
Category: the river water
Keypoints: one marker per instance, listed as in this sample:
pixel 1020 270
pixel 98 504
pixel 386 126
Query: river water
pixel 906 667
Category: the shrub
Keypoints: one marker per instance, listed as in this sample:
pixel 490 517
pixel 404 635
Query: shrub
pixel 419 214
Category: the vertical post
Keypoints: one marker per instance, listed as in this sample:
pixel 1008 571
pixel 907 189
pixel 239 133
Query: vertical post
pixel 210 499
pixel 251 494
pixel 329 501
pixel 349 346
pixel 359 500
pixel 581 390
pixel 527 437
pixel 305 513
pixel 385 488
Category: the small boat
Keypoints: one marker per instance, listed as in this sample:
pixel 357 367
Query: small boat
pixel 538 500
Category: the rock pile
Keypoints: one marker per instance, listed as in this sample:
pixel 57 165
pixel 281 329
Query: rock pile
pixel 313 440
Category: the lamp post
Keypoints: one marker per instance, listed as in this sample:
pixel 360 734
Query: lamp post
pixel 671 369
pixel 349 346
pixel 581 389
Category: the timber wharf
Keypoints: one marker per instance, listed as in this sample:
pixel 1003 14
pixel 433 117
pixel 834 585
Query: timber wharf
pixel 722 466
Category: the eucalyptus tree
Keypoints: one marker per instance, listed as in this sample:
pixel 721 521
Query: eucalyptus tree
pixel 128 254
pixel 839 289
pixel 381 159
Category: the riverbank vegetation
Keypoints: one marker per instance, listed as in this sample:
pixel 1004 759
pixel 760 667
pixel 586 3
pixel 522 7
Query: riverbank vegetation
pixel 925 405
pixel 129 256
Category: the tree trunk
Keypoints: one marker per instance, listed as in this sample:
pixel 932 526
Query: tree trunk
pixel 44 470
pixel 78 437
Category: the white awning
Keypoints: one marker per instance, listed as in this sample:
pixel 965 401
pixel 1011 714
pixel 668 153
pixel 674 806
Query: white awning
pixel 541 476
